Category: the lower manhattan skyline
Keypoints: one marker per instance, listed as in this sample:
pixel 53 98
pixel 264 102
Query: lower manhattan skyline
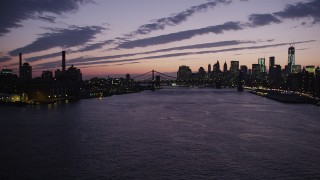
pixel 119 37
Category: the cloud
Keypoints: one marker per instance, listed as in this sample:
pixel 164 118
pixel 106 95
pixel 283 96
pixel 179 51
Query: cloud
pixel 195 46
pixel 5 58
pixel 262 19
pixel 95 46
pixel 13 12
pixel 84 61
pixel 179 36
pixel 37 58
pixel 64 38
pixel 309 9
pixel 204 45
pixel 50 19
pixel 175 19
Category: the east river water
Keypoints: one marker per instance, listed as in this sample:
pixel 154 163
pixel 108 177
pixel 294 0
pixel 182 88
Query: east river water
pixel 173 133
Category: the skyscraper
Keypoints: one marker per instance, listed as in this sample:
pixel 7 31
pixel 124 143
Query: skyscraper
pixel 20 64
pixel 209 69
pixel 184 73
pixel 216 67
pixel 63 62
pixel 291 58
pixel 234 67
pixel 244 69
pixel 225 67
pixel 26 72
pixel 262 63
pixel 255 69
pixel 271 61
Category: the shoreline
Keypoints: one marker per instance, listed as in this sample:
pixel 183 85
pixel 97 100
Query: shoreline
pixel 286 97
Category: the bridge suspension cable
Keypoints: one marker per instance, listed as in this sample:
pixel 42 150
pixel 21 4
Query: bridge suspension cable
pixel 165 75
pixel 141 75
pixel 153 71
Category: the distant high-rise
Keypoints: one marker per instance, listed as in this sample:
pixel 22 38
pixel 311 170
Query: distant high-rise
pixel 63 62
pixel 255 69
pixel 295 69
pixel 209 69
pixel 271 61
pixel 20 64
pixel 291 58
pixel 225 67
pixel 216 67
pixel 244 69
pixel 262 63
pixel 73 74
pixel 311 69
pixel 47 74
pixel 201 73
pixel 184 73
pixel 26 72
pixel 234 68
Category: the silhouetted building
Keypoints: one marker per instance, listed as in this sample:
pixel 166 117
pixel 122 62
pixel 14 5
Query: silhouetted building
pixel 296 68
pixel 271 61
pixel 311 69
pixel 234 67
pixel 184 73
pixel 8 81
pixel 317 71
pixel 63 62
pixel 20 64
pixel 6 72
pixel 225 67
pixel 73 74
pixel 26 72
pixel 128 77
pixel 216 67
pixel 275 75
pixel 201 73
pixel 209 70
pixel 255 69
pixel 158 82
pixel 47 74
pixel 58 74
pixel 244 69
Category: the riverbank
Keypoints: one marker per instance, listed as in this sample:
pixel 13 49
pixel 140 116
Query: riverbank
pixel 286 96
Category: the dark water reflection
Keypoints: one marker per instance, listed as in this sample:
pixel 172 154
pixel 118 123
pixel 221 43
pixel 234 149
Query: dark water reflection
pixel 166 134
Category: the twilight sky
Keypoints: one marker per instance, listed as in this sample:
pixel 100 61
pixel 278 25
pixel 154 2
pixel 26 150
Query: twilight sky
pixel 135 36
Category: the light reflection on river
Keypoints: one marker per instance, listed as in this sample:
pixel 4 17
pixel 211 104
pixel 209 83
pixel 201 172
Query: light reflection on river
pixel 173 133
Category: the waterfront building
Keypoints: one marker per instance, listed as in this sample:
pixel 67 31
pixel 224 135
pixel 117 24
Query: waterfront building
pixel 58 74
pixel 6 72
pixel 26 72
pixel 275 75
pixel 73 74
